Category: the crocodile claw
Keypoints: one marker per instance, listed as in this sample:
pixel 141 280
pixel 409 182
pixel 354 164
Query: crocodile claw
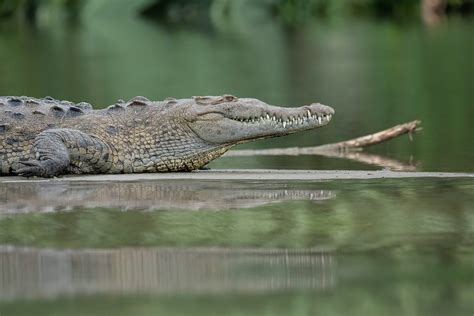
pixel 32 168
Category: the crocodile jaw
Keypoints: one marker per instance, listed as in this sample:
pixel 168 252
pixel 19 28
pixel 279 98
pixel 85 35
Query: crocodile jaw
pixel 255 120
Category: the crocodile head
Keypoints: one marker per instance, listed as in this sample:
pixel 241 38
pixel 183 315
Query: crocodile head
pixel 230 120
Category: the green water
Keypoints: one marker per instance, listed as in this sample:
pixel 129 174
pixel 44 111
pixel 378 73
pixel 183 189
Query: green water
pixel 373 247
pixel 346 216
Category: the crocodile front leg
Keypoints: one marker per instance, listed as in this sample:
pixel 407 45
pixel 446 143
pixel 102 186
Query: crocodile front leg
pixel 60 151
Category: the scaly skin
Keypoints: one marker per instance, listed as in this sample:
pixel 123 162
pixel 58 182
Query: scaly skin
pixel 47 137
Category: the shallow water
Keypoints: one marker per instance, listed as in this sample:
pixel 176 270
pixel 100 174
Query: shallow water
pixel 174 247
pixel 243 247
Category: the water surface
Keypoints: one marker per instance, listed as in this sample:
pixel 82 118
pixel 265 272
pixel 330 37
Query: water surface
pixel 387 246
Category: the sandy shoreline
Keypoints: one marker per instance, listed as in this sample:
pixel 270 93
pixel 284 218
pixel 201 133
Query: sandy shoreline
pixel 250 174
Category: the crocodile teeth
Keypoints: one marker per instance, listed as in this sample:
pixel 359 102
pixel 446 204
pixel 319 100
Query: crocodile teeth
pixel 290 121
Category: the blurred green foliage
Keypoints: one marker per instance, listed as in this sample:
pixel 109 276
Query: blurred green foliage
pixel 291 12
pixel 374 73
pixel 29 9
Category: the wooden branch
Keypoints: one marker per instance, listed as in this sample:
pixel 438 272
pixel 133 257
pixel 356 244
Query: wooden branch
pixel 375 138
pixel 349 149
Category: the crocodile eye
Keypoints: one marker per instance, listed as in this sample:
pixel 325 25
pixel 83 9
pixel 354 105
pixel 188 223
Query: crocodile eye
pixel 206 100
pixel 229 98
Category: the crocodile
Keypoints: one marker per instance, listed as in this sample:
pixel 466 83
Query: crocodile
pixel 48 137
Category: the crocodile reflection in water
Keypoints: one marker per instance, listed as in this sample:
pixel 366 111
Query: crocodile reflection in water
pixel 45 197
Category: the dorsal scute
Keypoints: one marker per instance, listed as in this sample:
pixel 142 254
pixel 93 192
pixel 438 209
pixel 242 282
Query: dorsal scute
pixel 115 107
pixel 119 106
pixel 169 101
pixel 84 106
pixel 4 128
pixel 18 115
pixel 21 107
pixel 57 110
pixel 36 112
pixel 138 101
pixel 75 111
pixel 14 101
pixel 32 102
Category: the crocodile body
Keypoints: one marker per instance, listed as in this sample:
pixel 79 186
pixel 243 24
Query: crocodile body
pixel 48 137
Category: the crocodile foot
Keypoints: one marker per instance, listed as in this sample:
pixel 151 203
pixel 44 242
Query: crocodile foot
pixel 36 168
